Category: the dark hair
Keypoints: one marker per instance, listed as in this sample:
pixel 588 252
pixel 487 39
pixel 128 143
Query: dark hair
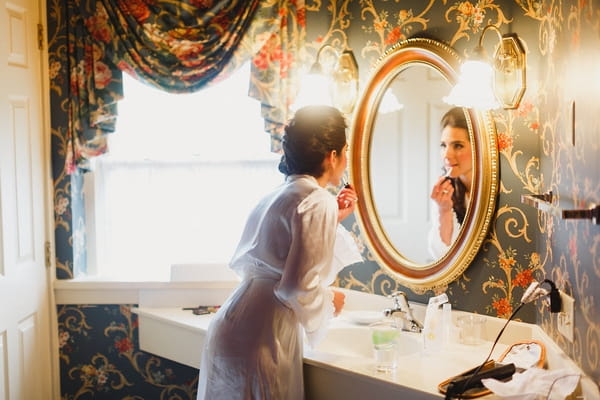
pixel 309 137
pixel 455 118
pixel 458 199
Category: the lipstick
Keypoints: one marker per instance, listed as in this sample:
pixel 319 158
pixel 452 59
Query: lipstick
pixel 347 186
pixel 447 176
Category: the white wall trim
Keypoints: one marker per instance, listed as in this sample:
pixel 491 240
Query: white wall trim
pixel 92 291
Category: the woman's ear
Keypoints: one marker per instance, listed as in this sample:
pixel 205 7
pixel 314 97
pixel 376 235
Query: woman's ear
pixel 329 160
pixel 332 157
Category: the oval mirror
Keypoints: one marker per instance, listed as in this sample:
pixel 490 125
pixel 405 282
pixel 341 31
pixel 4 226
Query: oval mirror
pixel 396 159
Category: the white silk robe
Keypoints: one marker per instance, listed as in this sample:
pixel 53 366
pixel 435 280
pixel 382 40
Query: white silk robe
pixel 253 347
pixel 437 248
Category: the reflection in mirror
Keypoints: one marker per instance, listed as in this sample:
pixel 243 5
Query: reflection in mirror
pixel 451 193
pixel 406 161
pixel 399 156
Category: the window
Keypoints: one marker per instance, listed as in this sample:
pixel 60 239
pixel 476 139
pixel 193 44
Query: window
pixel 182 173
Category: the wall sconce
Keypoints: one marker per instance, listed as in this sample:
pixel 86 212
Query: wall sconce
pixel 337 87
pixel 485 87
pixel 345 82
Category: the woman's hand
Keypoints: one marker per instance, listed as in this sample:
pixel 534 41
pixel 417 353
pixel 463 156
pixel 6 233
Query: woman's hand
pixel 339 299
pixel 346 200
pixel 442 194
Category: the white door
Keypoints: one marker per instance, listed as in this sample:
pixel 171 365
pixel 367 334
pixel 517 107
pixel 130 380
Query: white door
pixel 25 306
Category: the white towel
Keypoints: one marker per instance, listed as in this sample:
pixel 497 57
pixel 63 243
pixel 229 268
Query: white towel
pixel 533 382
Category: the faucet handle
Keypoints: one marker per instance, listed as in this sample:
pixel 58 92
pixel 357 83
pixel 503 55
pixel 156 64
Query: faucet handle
pixel 396 298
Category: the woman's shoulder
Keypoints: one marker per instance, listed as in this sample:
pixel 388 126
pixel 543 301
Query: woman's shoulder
pixel 302 192
pixel 295 191
pixel 318 199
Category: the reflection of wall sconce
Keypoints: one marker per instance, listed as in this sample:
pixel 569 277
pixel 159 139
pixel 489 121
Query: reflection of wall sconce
pixel 337 87
pixel 485 87
pixel 390 103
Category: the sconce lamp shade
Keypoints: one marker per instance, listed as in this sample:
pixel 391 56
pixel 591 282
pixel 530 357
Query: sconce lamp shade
pixel 474 88
pixel 314 90
pixel 337 87
pixel 390 103
pixel 344 90
pixel 484 86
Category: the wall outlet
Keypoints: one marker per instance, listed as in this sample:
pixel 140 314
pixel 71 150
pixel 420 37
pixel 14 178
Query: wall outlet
pixel 565 318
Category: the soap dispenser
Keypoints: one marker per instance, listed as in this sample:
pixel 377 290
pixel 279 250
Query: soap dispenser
pixel 433 329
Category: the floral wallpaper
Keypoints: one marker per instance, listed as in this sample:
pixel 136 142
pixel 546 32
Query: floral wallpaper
pixel 536 147
pixel 537 154
pixel 100 358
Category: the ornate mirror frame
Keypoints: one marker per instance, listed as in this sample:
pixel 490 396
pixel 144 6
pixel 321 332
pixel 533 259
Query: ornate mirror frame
pixel 419 51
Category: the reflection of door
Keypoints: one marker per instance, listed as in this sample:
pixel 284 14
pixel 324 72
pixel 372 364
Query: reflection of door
pixel 406 159
pixel 25 339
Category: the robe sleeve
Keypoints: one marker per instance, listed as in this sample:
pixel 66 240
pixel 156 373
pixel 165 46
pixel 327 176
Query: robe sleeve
pixel 307 273
pixel 437 248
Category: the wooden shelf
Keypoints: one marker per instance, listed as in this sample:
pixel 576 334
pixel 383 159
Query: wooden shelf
pixel 543 202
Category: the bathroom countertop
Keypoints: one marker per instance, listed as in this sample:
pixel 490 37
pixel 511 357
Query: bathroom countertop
pixel 421 372
pixel 177 334
pixel 176 316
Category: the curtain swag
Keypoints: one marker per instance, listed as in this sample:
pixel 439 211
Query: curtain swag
pixel 178 47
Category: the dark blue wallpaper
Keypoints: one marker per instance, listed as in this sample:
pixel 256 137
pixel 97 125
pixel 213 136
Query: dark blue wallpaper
pixel 100 357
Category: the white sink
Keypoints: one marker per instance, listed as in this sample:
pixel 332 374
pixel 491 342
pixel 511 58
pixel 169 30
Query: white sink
pixel 343 365
pixel 355 341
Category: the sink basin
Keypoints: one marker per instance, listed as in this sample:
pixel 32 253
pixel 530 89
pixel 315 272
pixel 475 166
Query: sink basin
pixel 355 341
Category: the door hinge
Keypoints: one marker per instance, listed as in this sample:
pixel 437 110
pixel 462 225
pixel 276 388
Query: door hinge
pixel 40 36
pixel 48 253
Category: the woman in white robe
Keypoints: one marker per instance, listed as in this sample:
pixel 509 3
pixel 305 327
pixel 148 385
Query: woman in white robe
pixel 452 192
pixel 253 347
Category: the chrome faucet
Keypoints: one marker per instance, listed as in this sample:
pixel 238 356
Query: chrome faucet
pixel 402 311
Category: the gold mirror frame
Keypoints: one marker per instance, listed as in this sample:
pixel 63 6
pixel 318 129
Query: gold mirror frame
pixel 419 51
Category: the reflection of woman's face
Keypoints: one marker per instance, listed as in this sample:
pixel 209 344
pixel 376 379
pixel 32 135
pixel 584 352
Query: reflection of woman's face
pixel 456 151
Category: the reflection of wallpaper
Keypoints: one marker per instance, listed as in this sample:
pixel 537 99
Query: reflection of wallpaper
pixel 536 154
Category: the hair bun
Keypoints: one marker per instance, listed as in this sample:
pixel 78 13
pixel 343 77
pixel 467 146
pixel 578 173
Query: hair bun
pixel 283 167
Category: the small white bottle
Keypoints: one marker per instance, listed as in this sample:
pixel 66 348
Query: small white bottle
pixel 447 323
pixel 433 332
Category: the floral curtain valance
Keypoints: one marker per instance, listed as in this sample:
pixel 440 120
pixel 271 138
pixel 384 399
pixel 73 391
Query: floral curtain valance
pixel 176 46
